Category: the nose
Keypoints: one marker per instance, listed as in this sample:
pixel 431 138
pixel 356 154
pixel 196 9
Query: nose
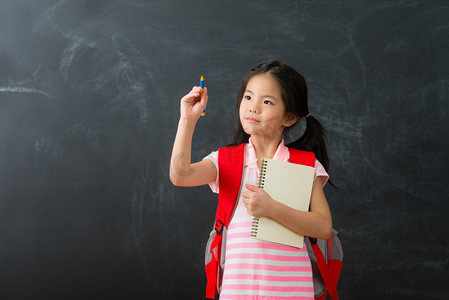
pixel 254 107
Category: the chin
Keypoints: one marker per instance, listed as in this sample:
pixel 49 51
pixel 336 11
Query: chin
pixel 248 130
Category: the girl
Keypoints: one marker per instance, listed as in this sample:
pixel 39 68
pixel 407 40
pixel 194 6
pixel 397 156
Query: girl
pixel 271 99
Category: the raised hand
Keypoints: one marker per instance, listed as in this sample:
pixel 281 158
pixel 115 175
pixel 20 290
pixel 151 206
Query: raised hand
pixel 194 103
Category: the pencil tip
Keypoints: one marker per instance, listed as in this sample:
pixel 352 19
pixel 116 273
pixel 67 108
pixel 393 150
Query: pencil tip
pixel 202 78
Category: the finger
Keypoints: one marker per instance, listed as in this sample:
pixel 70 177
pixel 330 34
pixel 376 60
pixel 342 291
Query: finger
pixel 250 212
pixel 204 95
pixel 246 194
pixel 191 97
pixel 247 204
pixel 204 98
pixel 197 89
pixel 252 188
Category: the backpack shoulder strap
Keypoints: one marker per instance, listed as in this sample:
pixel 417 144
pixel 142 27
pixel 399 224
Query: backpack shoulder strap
pixel 230 168
pixel 302 157
pixel 330 277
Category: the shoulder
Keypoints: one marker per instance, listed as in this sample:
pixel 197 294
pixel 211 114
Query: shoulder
pixel 302 157
pixel 308 158
pixel 231 153
pixel 213 156
pixel 232 148
pixel 321 172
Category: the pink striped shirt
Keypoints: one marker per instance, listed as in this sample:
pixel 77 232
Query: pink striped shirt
pixel 257 269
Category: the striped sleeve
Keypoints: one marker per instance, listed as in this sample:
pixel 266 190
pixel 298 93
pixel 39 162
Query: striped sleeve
pixel 213 157
pixel 320 171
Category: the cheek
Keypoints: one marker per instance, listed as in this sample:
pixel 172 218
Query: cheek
pixel 241 112
pixel 242 106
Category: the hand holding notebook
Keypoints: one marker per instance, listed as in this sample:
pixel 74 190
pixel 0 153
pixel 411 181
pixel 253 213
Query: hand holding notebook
pixel 290 184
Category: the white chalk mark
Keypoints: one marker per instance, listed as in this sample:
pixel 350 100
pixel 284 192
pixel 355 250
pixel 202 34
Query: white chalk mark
pixel 10 89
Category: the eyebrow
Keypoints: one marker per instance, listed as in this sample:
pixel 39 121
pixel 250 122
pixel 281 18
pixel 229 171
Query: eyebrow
pixel 264 96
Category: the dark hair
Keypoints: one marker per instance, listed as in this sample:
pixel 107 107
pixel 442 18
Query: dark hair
pixel 294 95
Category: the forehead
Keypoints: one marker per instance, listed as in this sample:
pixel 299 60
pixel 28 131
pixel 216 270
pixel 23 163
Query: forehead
pixel 264 84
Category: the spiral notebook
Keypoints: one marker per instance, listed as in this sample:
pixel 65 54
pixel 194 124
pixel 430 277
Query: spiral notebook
pixel 290 184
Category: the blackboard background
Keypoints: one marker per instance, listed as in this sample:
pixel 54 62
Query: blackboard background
pixel 89 102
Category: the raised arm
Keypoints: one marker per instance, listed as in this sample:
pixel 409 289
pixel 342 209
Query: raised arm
pixel 182 171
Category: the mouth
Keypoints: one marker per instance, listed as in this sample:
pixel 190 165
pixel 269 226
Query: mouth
pixel 251 120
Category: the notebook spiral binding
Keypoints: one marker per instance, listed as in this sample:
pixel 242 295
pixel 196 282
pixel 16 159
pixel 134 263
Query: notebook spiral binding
pixel 261 184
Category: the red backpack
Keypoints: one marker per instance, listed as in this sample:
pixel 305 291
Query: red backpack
pixel 326 268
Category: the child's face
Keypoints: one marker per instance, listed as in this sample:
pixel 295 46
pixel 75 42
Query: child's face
pixel 262 110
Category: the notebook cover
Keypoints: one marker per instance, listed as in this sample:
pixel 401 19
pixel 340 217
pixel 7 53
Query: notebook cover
pixel 290 184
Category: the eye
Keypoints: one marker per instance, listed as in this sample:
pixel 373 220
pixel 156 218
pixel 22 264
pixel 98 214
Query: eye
pixel 247 97
pixel 268 102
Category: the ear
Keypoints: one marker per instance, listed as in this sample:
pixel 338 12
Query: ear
pixel 290 119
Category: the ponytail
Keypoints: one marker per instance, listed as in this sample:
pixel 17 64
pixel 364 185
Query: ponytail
pixel 314 139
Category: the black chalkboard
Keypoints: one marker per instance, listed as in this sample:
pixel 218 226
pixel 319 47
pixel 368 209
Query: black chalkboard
pixel 89 103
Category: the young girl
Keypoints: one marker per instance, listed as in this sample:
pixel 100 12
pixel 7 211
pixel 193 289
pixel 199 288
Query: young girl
pixel 271 99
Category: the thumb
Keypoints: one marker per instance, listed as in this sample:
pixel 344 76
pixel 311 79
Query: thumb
pixel 204 97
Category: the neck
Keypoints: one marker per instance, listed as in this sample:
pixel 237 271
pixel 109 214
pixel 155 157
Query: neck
pixel 265 147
